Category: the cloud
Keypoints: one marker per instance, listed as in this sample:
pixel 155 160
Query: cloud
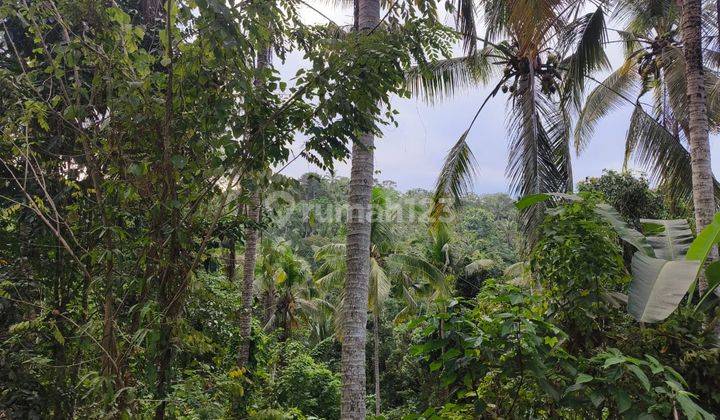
pixel 413 153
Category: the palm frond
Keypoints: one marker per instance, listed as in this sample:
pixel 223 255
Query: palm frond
pixel 455 179
pixel 465 22
pixel 607 96
pixel 533 22
pixel 379 286
pixel 415 265
pixel 443 79
pixel 536 162
pixel 661 155
pixel 381 231
pixel 672 62
pixel 331 280
pixel 590 35
pixel 495 18
pixel 643 17
pixel 329 251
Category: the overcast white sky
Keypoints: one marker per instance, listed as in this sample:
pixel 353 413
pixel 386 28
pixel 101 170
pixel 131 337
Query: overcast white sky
pixel 412 154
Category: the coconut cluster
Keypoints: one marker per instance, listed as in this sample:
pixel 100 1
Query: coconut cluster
pixel 546 70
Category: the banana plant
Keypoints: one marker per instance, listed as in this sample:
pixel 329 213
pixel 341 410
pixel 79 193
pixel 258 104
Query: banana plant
pixel 666 264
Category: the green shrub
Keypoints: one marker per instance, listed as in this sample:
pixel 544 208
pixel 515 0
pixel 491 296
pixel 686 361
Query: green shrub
pixel 630 196
pixel 307 385
pixel 578 262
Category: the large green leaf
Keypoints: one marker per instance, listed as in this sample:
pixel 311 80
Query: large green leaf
pixel 672 240
pixel 704 242
pixel 699 251
pixel 712 275
pixel 658 286
pixel 626 233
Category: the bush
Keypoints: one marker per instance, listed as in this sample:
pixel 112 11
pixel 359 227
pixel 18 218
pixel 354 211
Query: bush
pixel 630 196
pixel 307 385
pixel 578 261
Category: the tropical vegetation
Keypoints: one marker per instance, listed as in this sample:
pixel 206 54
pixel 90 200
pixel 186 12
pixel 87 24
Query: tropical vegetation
pixel 157 261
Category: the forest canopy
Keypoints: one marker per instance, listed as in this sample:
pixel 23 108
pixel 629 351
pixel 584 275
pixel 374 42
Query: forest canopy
pixel 157 261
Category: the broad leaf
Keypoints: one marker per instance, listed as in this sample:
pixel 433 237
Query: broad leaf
pixel 704 242
pixel 626 233
pixel 532 199
pixel 700 249
pixel 673 239
pixel 658 286
pixel 712 275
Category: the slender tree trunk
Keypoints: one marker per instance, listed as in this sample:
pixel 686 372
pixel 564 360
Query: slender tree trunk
pixel 169 292
pixel 717 20
pixel 569 170
pixel 376 359
pixel 367 16
pixel 251 240
pixel 270 306
pixel 702 177
pixel 151 10
pixel 356 283
pixel 230 260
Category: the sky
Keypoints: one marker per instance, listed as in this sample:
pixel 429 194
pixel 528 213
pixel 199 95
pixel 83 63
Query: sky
pixel 412 154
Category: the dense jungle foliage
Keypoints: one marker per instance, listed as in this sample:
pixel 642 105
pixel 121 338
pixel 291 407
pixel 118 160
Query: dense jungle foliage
pixel 155 262
pixel 463 327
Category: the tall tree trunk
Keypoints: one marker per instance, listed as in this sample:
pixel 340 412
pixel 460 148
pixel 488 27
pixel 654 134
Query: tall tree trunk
pixel 376 359
pixel 356 283
pixel 151 10
pixel 367 16
pixel 270 306
pixel 251 240
pixel 169 292
pixel 702 177
pixel 230 260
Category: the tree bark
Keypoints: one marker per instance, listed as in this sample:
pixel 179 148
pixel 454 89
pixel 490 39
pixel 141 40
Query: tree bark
pixel 230 260
pixel 376 359
pixel 251 240
pixel 151 10
pixel 270 306
pixel 356 283
pixel 367 16
pixel 702 177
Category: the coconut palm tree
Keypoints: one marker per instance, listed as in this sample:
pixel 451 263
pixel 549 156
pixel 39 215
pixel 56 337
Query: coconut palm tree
pixel 428 274
pixel 654 67
pixel 702 177
pixel 262 61
pixel 546 55
pixel 333 270
pixel 285 280
pixel 366 17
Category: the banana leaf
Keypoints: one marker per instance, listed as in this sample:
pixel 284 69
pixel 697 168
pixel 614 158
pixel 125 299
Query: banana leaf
pixel 658 286
pixel 626 233
pixel 671 238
